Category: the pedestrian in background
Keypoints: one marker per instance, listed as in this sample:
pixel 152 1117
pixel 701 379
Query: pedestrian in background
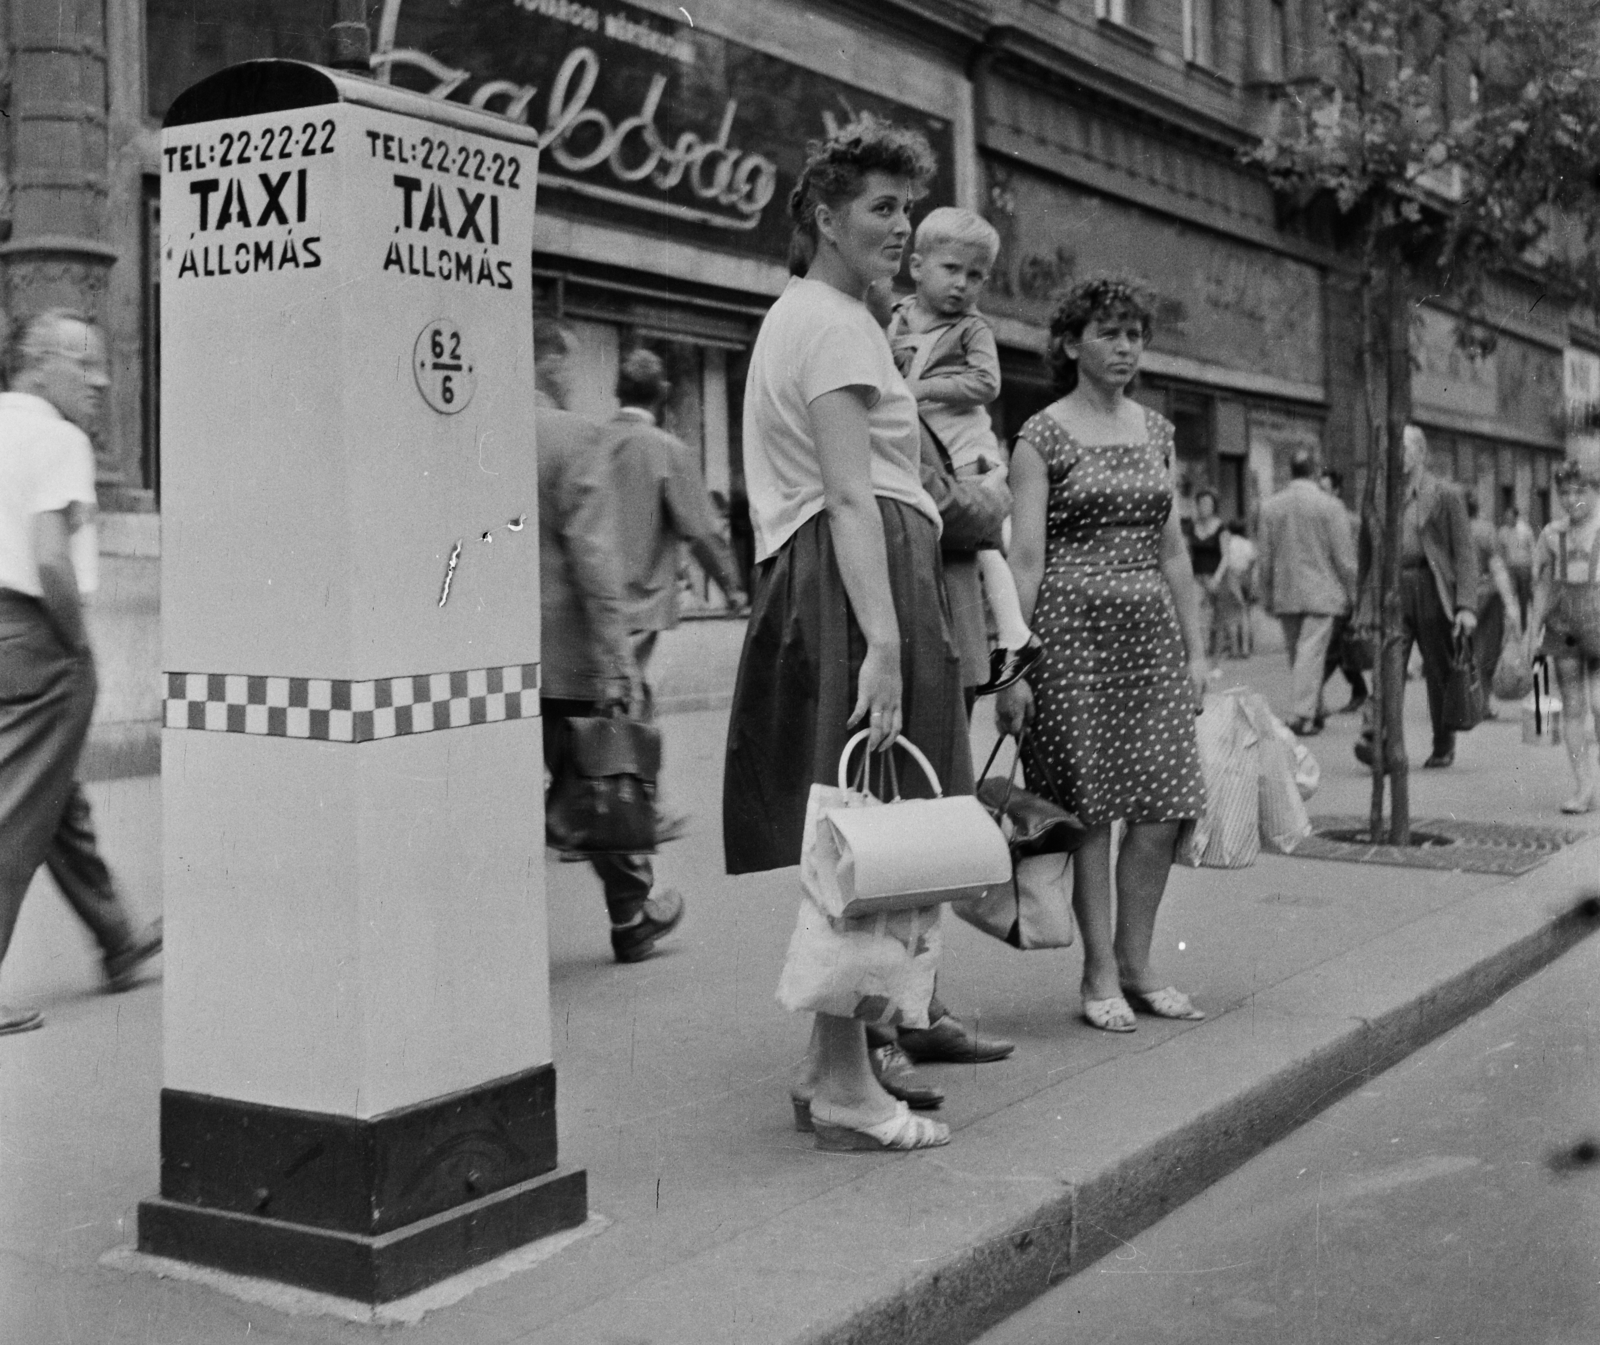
pixel 1206 537
pixel 1438 587
pixel 58 374
pixel 1516 548
pixel 1564 619
pixel 586 662
pixel 1234 588
pixel 946 350
pixel 850 622
pixel 662 510
pixel 1308 581
pixel 1347 653
pixel 1103 570
pixel 1496 598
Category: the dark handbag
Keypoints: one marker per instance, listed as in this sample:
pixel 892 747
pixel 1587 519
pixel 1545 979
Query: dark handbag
pixel 602 799
pixel 1034 910
pixel 1463 688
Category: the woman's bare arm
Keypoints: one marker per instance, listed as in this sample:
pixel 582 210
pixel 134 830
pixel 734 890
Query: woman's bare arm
pixel 1030 500
pixel 840 430
pixel 1179 574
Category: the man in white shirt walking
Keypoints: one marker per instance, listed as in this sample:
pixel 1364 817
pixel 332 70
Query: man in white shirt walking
pixel 1308 579
pixel 57 364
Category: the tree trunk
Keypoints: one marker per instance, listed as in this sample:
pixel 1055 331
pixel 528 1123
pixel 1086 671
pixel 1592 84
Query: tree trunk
pixel 1389 740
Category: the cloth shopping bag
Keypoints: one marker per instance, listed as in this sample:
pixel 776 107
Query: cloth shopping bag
pixel 1227 835
pixel 896 854
pixel 1463 689
pixel 1284 822
pixel 1513 676
pixel 878 968
pixel 1541 711
pixel 602 799
pixel 1034 909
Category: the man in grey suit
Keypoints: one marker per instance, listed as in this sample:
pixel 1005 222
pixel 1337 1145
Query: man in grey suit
pixel 1308 580
pixel 586 662
pixel 1438 580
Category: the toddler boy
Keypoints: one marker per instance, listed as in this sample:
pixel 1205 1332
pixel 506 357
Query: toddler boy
pixel 947 354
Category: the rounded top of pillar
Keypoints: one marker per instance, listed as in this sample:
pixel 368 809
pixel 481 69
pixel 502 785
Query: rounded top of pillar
pixel 255 87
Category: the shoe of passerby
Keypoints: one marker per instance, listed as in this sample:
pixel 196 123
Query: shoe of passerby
pixel 122 968
pixel 949 1040
pixel 1363 749
pixel 1355 703
pixel 18 1020
pixel 1305 728
pixel 1010 665
pixel 1440 759
pixel 893 1069
pixel 661 915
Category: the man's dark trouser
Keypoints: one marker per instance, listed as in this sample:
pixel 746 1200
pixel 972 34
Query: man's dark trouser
pixel 46 699
pixel 1341 657
pixel 627 879
pixel 1425 623
pixel 1490 635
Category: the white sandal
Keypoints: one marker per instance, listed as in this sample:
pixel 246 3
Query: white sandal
pixel 1109 1015
pixel 902 1131
pixel 1168 1002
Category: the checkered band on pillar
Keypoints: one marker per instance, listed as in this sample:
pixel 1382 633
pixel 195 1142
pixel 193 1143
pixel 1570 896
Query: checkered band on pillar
pixel 342 711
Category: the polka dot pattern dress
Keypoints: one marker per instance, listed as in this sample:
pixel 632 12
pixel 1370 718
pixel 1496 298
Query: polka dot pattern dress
pixel 1114 713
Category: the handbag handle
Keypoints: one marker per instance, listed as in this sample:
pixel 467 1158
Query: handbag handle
pixel 912 750
pixel 1024 744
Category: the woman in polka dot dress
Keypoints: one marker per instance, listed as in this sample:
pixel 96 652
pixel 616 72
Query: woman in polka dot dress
pixel 1105 581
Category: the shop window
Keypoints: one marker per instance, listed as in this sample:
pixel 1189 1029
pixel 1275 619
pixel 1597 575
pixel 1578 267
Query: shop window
pixel 1202 42
pixel 1126 13
pixel 1232 488
pixel 1192 437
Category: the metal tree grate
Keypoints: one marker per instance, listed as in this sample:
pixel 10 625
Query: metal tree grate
pixel 1440 843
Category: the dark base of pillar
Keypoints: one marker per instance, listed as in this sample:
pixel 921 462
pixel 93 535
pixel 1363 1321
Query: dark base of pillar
pixel 370 1269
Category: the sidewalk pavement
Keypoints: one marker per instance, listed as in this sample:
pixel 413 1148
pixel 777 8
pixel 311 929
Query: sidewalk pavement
pixel 716 1222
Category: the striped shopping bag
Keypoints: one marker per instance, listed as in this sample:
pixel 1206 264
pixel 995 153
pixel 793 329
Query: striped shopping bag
pixel 1228 834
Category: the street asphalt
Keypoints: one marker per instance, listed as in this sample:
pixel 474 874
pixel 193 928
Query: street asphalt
pixel 713 1220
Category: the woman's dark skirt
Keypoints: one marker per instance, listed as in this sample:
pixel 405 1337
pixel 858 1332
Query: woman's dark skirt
pixel 797 678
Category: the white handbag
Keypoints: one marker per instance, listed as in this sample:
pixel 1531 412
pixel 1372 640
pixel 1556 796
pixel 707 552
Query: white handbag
pixel 897 854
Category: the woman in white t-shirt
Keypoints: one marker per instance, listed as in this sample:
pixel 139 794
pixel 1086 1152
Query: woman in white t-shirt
pixel 849 622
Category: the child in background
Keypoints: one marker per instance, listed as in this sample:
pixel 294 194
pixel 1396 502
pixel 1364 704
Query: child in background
pixel 1235 581
pixel 947 353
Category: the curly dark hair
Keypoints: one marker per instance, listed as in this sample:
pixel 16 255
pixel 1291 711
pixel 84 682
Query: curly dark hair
pixel 1576 472
pixel 836 170
pixel 1098 296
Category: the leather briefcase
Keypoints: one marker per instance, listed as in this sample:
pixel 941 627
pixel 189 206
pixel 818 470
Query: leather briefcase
pixel 603 799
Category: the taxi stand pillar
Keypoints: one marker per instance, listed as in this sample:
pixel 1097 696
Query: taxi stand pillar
pixel 358 1091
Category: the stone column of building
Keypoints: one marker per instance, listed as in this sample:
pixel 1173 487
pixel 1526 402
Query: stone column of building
pixel 56 253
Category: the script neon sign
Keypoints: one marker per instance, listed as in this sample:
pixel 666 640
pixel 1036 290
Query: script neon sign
pixel 736 186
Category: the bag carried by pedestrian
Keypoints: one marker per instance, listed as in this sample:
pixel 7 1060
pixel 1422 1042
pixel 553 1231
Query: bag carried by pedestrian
pixel 1463 689
pixel 1227 835
pixel 879 968
pixel 1283 762
pixel 602 799
pixel 863 854
pixel 1033 910
pixel 1541 711
pixel 1513 677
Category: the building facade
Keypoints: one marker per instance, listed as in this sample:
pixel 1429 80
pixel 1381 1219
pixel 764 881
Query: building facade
pixel 1092 133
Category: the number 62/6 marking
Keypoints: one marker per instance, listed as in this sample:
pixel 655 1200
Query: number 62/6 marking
pixel 446 377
